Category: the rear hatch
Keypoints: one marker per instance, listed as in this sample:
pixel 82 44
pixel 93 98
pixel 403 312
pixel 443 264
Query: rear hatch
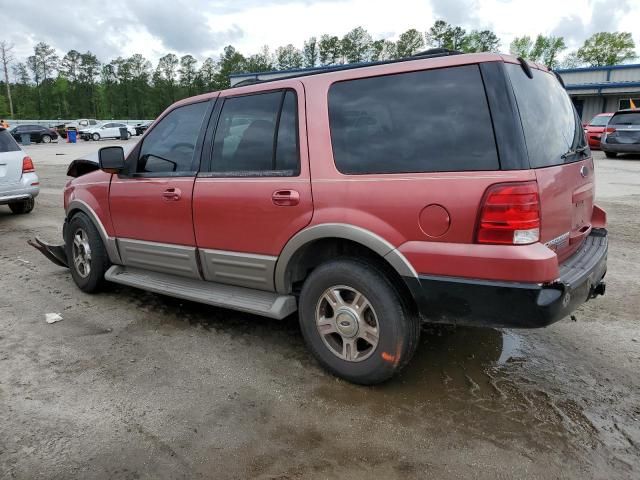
pixel 624 128
pixel 560 157
pixel 10 159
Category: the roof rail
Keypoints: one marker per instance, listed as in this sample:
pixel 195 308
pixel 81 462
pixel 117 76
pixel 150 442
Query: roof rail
pixel 431 53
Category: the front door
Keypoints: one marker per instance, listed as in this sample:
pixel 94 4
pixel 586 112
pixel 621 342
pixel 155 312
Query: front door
pixel 151 205
pixel 256 193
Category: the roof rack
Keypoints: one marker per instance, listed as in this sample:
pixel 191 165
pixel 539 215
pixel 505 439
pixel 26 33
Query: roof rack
pixel 431 53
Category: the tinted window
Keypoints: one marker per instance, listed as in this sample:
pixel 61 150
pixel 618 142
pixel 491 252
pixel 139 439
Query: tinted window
pixel 287 144
pixel 170 146
pixel 551 125
pixel 428 121
pixel 625 119
pixel 599 121
pixel 253 136
pixel 7 143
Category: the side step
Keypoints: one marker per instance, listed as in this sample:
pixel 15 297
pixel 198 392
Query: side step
pixel 258 302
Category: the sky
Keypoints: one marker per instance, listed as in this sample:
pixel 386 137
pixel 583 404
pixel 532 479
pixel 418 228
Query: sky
pixel 203 27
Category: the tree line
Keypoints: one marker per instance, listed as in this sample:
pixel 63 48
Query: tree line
pixel 78 84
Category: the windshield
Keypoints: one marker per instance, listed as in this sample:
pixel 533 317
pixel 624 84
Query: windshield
pixel 599 121
pixel 552 129
pixel 626 119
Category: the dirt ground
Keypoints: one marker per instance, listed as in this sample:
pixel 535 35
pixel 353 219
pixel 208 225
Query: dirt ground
pixel 136 385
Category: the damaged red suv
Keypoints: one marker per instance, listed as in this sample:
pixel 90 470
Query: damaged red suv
pixel 442 188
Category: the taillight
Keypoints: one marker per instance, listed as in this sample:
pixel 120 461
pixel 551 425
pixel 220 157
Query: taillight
pixel 611 130
pixel 27 165
pixel 510 214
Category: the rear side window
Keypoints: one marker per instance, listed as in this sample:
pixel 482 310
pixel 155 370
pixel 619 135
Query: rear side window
pixel 552 128
pixel 257 135
pixel 427 121
pixel 625 119
pixel 7 143
pixel 170 146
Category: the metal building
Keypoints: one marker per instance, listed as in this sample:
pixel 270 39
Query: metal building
pixel 603 89
pixel 593 89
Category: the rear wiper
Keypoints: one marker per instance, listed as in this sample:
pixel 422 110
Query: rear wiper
pixel 579 150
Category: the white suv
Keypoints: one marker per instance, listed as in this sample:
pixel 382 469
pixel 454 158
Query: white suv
pixel 19 184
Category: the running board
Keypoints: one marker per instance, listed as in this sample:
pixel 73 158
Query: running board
pixel 258 302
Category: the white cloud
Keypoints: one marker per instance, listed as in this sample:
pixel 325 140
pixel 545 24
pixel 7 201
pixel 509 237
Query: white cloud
pixel 203 27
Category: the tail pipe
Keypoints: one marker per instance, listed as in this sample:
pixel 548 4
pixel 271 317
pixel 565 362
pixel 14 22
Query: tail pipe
pixel 598 289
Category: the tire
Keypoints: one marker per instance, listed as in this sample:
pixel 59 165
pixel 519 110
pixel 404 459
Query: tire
pixel 80 233
pixel 23 207
pixel 381 306
pixel 610 154
pixel 95 136
pixel 46 139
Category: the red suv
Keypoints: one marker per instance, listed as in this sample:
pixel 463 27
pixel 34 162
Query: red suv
pixel 455 189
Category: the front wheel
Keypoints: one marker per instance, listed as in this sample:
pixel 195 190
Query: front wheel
pixel 356 323
pixel 88 259
pixel 22 207
pixel 611 154
pixel 96 136
pixel 46 139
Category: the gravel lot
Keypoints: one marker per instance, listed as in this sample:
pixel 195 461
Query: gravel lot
pixel 137 385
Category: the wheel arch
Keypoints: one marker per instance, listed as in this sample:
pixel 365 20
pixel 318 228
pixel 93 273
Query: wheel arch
pixel 315 245
pixel 76 206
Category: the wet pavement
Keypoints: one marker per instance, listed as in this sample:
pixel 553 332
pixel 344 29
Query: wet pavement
pixel 136 385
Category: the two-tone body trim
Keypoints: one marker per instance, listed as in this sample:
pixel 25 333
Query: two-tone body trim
pixel 109 242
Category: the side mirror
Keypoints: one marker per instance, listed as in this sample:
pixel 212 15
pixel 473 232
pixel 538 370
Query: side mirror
pixel 111 159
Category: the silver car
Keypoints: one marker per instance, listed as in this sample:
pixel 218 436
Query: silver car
pixel 19 184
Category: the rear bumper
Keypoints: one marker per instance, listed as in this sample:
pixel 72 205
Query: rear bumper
pixel 20 191
pixel 511 304
pixel 620 147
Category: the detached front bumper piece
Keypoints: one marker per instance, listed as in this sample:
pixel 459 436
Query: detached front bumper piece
pixel 55 253
pixel 518 305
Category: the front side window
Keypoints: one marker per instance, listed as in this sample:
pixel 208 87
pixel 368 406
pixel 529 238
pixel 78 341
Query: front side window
pixel 426 121
pixel 170 146
pixel 257 135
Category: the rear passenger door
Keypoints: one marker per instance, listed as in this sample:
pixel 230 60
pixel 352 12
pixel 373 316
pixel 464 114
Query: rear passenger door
pixel 255 193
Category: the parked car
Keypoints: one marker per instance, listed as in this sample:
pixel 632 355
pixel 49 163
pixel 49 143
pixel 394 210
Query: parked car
pixel 19 184
pixel 82 123
pixel 595 128
pixel 142 127
pixel 451 189
pixel 37 133
pixel 622 134
pixel 106 130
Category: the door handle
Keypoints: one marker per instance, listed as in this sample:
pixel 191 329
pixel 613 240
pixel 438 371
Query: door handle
pixel 172 194
pixel 285 198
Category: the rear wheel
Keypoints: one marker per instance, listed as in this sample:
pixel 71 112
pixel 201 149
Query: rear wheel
pixel 356 323
pixel 46 139
pixel 22 207
pixel 611 154
pixel 88 259
pixel 96 136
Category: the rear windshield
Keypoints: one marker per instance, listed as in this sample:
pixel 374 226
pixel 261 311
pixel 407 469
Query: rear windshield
pixel 599 121
pixel 7 143
pixel 625 119
pixel 425 121
pixel 552 129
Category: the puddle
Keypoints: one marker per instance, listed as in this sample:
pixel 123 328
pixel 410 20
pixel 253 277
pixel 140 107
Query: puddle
pixel 473 380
